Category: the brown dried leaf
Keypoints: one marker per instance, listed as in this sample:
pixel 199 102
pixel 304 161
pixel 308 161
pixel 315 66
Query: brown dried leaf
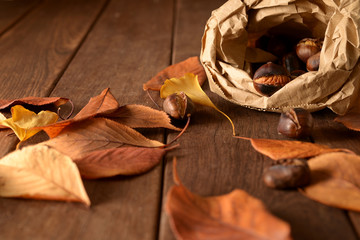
pixel 81 138
pixel 351 120
pixel 190 65
pixel 236 215
pixel 282 149
pixel 138 116
pixel 335 180
pixel 101 104
pixel 119 161
pixel 34 101
pixel 40 172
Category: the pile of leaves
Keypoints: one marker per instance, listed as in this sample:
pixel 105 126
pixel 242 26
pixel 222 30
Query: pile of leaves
pixel 100 141
pixel 335 180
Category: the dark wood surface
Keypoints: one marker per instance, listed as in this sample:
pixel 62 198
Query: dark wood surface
pixel 77 48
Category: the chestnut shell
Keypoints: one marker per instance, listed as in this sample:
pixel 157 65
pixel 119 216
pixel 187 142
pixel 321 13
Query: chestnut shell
pixel 269 78
pixel 307 47
pixel 287 173
pixel 295 123
pixel 178 106
pixel 313 62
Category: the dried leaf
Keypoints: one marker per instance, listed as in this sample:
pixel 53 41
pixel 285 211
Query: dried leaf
pixel 138 116
pixel 335 180
pixel 190 86
pixel 81 138
pixel 282 149
pixel 351 120
pixel 2 117
pixel 236 215
pixel 126 160
pixel 190 65
pixel 39 172
pixel 23 121
pixel 35 101
pixel 102 104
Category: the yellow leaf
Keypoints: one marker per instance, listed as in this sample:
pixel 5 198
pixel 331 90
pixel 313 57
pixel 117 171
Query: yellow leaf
pixel 24 121
pixel 40 172
pixel 189 84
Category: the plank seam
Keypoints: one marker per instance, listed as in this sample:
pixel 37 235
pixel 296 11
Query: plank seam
pixel 22 16
pixel 96 19
pixel 166 133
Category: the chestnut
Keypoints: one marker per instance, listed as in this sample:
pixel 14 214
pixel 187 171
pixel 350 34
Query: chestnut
pixel 291 62
pixel 313 62
pixel 269 78
pixel 287 173
pixel 295 123
pixel 178 105
pixel 308 47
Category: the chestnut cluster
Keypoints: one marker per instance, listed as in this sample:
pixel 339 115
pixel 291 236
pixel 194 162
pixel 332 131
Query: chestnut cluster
pixel 293 62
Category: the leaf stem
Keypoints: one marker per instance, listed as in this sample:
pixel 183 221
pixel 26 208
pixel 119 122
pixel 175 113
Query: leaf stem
pixel 182 131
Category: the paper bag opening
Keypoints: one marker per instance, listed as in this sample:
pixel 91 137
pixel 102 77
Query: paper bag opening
pixel 228 53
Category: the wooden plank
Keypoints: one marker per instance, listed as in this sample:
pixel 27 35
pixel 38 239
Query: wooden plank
pixel 334 134
pixel 35 52
pixel 211 162
pixel 12 11
pixel 130 42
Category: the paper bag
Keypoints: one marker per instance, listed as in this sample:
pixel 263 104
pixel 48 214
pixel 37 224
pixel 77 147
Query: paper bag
pixel 227 59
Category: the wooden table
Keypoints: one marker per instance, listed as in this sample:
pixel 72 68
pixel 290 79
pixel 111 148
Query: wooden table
pixel 77 48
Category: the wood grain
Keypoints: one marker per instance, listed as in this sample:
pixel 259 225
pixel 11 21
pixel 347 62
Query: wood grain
pixel 11 12
pixel 128 44
pixel 211 162
pixel 38 48
pixel 334 134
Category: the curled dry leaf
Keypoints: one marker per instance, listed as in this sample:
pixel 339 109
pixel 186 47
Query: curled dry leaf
pixel 35 101
pixel 335 180
pixel 282 149
pixel 138 116
pixel 191 64
pixel 236 215
pixel 351 120
pixel 24 122
pixel 81 138
pixel 190 86
pixel 102 104
pixel 39 172
pixel 127 160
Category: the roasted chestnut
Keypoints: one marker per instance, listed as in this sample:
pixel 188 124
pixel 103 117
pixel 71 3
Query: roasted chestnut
pixel 313 62
pixel 307 47
pixel 287 173
pixel 291 62
pixel 178 105
pixel 295 123
pixel 269 78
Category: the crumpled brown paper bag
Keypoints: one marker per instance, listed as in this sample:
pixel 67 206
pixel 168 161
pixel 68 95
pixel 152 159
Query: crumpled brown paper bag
pixel 226 57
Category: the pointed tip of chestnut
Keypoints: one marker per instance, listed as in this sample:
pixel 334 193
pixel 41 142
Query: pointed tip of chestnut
pixel 178 105
pixel 295 123
pixel 269 78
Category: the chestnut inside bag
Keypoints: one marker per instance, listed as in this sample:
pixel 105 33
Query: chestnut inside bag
pixel 227 57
